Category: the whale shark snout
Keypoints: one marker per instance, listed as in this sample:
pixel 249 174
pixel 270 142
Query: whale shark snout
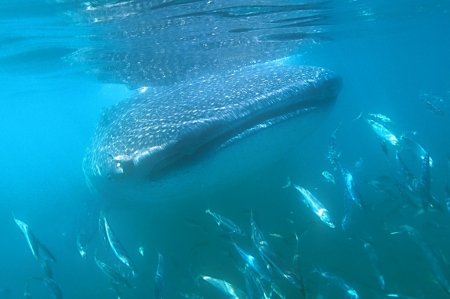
pixel 212 130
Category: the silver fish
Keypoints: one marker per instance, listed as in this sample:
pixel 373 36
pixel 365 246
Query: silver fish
pixel 332 152
pixel 340 283
pixel 380 117
pixel 141 250
pixel 32 242
pixel 434 103
pixel 26 293
pixel 373 256
pixel 226 224
pixel 316 206
pixel 296 261
pixel 116 246
pixel 415 148
pixel 348 211
pixel 282 268
pixel 351 187
pixel 329 177
pixel 112 274
pixel 257 235
pixel 52 285
pixel 437 263
pixel 263 289
pixel 380 130
pixel 82 245
pixel 190 296
pixel 253 263
pixel 424 186
pixel 225 287
pixel 159 277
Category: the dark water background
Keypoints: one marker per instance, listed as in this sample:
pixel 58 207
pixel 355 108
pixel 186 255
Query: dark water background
pixel 387 54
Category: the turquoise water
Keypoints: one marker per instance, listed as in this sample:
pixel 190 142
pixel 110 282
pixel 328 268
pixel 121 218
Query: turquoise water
pixel 53 86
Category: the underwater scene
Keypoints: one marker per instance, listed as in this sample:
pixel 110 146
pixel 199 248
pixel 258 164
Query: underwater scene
pixel 225 149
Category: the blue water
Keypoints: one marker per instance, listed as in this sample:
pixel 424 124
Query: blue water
pixel 387 54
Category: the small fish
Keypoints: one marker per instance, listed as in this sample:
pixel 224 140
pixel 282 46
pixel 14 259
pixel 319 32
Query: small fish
pixel 380 117
pixel 226 224
pixel 316 206
pixel 382 182
pixel 249 282
pixel 141 250
pixel 424 186
pixel 112 274
pixel 296 261
pixel 116 246
pixel 406 229
pixel 288 183
pixel 253 263
pixel 159 279
pixel 225 287
pixel 359 164
pixel 257 235
pixel 275 235
pixel 33 243
pixel 375 262
pixel 339 282
pixel 433 103
pixel 332 152
pixel 348 211
pixel 82 244
pixel 415 148
pixel 195 224
pixel 116 289
pixel 50 283
pixel 352 189
pixel 403 169
pixel 102 230
pixel 263 289
pixel 26 293
pixel 328 177
pixel 437 263
pixel 190 296
pixel 282 268
pixel 276 289
pixel 380 130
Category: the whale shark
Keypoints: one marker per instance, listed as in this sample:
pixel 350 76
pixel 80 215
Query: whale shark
pixel 214 130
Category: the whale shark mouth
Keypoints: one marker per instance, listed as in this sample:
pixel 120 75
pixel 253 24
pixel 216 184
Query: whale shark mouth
pixel 267 120
pixel 150 135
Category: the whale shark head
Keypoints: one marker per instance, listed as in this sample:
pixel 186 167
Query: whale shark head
pixel 210 131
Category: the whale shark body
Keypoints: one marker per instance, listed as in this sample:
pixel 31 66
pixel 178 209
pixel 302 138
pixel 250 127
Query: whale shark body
pixel 214 130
